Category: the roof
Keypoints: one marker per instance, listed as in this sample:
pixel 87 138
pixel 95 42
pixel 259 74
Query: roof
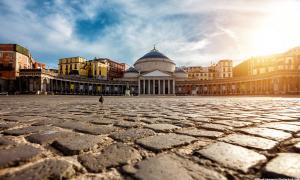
pixel 131 70
pixel 154 53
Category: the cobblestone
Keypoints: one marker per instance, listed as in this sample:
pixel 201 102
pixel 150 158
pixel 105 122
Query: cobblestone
pixel 232 156
pixel 17 155
pixel 163 142
pixel 268 133
pixel 162 127
pixel 26 130
pixel 47 137
pixel 172 167
pixel 77 143
pixel 250 141
pixel 132 134
pixel 48 169
pixel 75 137
pixel 285 165
pixel 199 133
pixel 114 155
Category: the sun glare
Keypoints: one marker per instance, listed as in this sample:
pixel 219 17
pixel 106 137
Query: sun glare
pixel 278 31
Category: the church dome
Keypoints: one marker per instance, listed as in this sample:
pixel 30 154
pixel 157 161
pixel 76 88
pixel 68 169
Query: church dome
pixel 154 60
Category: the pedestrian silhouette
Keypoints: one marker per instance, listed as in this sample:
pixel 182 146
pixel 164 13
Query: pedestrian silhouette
pixel 101 100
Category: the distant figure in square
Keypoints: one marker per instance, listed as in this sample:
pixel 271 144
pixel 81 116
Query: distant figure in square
pixel 101 100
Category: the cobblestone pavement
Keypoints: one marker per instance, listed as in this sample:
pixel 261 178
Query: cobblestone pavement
pixel 149 137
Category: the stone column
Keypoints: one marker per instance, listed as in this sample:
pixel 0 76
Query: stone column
pixel 148 86
pixel 153 86
pixel 139 85
pixel 174 86
pixel 169 86
pixel 144 86
pixel 159 86
pixel 164 87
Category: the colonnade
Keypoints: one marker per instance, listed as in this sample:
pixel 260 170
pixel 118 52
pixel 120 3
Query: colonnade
pixel 149 86
pixel 269 86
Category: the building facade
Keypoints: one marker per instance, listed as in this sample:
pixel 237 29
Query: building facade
pixel 114 69
pixel 155 74
pixel 152 74
pixel 81 67
pixel 14 57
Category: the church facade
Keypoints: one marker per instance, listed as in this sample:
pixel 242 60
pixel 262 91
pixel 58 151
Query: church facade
pixel 155 74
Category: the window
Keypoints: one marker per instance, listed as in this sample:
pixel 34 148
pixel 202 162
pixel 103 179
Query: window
pixel 1 54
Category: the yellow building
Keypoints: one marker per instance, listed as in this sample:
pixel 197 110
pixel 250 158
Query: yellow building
pixel 80 66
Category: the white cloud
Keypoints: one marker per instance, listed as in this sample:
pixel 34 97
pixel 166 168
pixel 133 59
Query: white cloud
pixel 191 32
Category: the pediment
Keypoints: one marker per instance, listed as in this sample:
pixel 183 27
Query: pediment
pixel 156 73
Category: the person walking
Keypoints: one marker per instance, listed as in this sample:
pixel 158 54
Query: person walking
pixel 101 100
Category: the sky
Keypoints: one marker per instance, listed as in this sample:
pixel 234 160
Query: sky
pixel 190 32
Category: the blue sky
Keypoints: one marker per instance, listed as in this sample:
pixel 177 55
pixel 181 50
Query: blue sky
pixel 191 32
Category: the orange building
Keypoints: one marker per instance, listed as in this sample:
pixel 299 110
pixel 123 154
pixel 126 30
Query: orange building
pixel 14 57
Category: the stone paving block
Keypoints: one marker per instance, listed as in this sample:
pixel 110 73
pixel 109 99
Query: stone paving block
pixel 104 121
pixel 112 156
pixel 7 125
pixel 166 141
pixel 173 167
pixel 76 144
pixel 132 134
pixel 297 147
pixel 285 165
pixel 96 129
pixel 47 137
pixel 232 156
pixel 234 123
pixel 250 141
pixel 128 124
pixel 27 130
pixel 162 127
pixel 282 126
pixel 273 134
pixel 199 132
pixel 5 141
pixel 17 155
pixel 20 118
pixel 217 127
pixel 87 128
pixel 47 169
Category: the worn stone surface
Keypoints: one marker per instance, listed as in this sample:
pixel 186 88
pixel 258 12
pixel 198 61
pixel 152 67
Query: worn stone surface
pixel 76 130
pixel 87 127
pixel 218 127
pixel 250 141
pixel 162 127
pixel 285 165
pixel 132 134
pixel 47 169
pixel 47 137
pixel 268 133
pixel 172 167
pixel 282 126
pixel 26 130
pixel 76 144
pixel 297 147
pixel 199 132
pixel 18 155
pixel 232 156
pixel 163 142
pixel 114 155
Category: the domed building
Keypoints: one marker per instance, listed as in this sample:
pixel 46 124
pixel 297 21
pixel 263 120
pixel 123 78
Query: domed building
pixel 155 74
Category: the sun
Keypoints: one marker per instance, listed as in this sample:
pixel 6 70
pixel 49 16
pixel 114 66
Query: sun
pixel 279 30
